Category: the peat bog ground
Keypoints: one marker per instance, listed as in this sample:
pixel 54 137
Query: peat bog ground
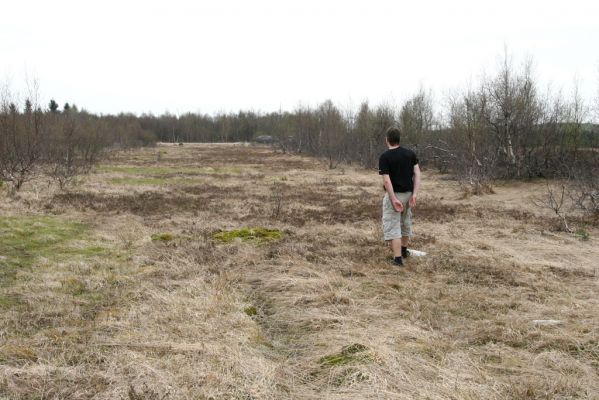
pixel 238 272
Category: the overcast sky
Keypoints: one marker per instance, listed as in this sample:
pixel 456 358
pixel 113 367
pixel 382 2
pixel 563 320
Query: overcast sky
pixel 226 55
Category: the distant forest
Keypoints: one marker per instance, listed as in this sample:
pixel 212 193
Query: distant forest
pixel 503 127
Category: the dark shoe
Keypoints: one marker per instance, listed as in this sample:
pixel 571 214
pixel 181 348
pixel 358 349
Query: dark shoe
pixel 398 262
pixel 405 253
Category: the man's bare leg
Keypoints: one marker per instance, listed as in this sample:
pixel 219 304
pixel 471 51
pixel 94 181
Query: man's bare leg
pixel 404 246
pixel 395 245
pixel 404 241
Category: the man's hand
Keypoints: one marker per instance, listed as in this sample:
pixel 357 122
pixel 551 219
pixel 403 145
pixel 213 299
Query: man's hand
pixel 412 201
pixel 397 204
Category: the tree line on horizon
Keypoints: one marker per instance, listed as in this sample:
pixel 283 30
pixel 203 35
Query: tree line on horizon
pixel 60 144
pixel 503 127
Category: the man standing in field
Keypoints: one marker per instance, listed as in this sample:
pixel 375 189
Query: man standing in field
pixel 401 179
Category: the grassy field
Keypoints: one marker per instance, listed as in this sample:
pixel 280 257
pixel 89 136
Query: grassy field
pixel 236 272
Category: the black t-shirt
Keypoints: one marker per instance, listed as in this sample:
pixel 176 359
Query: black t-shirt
pixel 399 164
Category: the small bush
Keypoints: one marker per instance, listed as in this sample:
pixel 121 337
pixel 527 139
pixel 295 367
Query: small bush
pixel 583 234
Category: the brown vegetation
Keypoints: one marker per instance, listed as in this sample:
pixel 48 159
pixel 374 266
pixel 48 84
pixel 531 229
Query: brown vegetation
pixel 125 290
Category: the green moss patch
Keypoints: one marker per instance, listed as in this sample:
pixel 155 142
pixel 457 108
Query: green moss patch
pixel 250 311
pixel 258 234
pixel 348 354
pixel 24 239
pixel 139 181
pixel 7 301
pixel 162 237
pixel 152 181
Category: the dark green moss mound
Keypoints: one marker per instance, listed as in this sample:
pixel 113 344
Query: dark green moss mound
pixel 250 311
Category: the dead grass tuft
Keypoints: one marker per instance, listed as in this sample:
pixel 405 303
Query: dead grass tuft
pixel 434 209
pixel 143 204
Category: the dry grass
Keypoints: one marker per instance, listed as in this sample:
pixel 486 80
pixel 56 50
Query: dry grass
pixel 119 289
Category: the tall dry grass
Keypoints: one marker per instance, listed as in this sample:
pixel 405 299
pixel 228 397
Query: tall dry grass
pixel 144 303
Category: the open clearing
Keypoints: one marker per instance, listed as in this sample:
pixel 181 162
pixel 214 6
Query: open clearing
pixel 134 285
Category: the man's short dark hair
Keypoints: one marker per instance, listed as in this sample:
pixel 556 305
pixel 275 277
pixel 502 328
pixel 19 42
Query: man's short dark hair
pixel 393 135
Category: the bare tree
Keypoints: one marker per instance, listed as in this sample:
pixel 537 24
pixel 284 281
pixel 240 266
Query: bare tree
pixel 20 139
pixel 469 148
pixel 554 199
pixel 367 135
pixel 577 113
pixel 75 146
pixel 583 183
pixel 513 116
pixel 416 118
pixel 331 132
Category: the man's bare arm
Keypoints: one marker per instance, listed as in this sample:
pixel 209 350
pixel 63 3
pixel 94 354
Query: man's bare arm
pixel 389 188
pixel 416 180
pixel 416 186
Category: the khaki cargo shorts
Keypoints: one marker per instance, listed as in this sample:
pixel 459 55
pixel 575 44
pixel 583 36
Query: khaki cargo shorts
pixel 396 224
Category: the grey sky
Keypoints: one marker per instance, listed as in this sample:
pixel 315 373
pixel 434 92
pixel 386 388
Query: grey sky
pixel 211 56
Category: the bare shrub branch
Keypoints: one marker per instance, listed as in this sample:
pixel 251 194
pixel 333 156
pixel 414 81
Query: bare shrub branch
pixel 554 200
